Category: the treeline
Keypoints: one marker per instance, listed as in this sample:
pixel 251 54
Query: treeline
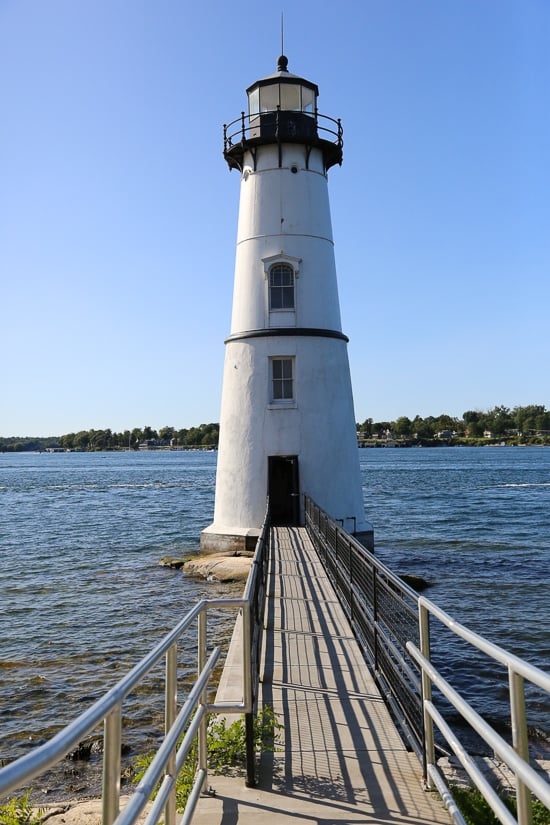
pixel 529 424
pixel 206 435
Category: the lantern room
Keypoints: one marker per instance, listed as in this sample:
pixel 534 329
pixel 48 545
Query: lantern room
pixel 282 108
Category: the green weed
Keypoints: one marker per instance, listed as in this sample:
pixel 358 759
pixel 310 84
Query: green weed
pixel 476 811
pixel 19 811
pixel 226 750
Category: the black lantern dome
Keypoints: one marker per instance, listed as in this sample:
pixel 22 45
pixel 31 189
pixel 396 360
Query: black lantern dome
pixel 282 108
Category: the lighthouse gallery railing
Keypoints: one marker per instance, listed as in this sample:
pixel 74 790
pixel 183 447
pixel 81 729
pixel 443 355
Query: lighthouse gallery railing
pixel 393 625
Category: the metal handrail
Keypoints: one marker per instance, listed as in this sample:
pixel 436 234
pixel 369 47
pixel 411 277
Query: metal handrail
pixel 108 709
pixel 240 129
pixel 382 611
pixel 254 595
pixel 368 591
pixel 190 722
pixel 516 758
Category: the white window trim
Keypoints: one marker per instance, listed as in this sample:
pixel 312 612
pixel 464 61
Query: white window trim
pixel 289 314
pixel 282 403
pixel 281 258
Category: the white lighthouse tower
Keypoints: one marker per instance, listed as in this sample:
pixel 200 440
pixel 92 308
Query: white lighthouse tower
pixel 287 424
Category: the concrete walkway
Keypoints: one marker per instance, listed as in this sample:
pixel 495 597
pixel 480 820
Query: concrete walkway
pixel 340 759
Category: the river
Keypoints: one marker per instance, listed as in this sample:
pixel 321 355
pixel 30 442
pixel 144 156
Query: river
pixel 83 596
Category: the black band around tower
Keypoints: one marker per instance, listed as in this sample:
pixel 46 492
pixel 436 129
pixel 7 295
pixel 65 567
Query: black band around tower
pixel 277 332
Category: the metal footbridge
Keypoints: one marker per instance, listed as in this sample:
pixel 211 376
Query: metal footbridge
pixel 339 648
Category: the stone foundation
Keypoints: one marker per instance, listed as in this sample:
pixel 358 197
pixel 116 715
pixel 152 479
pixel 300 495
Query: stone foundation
pixel 229 542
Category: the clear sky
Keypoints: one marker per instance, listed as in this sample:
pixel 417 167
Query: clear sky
pixel 118 214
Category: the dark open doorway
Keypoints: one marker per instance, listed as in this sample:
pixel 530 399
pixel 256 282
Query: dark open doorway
pixel 283 489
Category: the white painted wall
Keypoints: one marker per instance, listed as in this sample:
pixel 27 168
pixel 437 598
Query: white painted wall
pixel 286 213
pixel 282 212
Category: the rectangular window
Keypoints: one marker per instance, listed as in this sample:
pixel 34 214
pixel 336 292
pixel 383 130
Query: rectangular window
pixel 282 374
pixel 281 287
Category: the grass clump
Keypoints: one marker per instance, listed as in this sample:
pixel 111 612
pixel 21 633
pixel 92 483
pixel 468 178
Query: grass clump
pixel 476 810
pixel 19 811
pixel 226 750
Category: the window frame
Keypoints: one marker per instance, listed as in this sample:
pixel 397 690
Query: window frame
pixel 284 317
pixel 281 290
pixel 280 383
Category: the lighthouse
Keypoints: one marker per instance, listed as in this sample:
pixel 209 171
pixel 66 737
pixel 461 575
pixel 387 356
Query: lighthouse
pixel 287 422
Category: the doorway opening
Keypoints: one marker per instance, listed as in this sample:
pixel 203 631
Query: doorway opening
pixel 283 489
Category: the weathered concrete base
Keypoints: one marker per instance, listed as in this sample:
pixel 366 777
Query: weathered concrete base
pixel 229 541
pixel 366 538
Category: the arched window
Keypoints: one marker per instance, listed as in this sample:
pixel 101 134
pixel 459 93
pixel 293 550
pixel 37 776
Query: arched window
pixel 281 287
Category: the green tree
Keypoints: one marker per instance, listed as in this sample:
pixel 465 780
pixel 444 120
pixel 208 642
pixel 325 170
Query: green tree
pixel 366 426
pixel 67 441
pixel 423 427
pixel 82 440
pixel 149 434
pixel 166 434
pixel 382 428
pixel 499 419
pixel 402 427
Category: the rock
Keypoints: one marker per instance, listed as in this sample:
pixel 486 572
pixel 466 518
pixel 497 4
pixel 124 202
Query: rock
pixel 172 561
pixel 416 582
pixel 219 567
pixel 87 812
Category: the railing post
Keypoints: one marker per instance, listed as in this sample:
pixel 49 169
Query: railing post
pixel 351 594
pixel 428 751
pixel 375 615
pixel 248 697
pixel 202 737
pixel 170 713
pixel 111 765
pixel 520 742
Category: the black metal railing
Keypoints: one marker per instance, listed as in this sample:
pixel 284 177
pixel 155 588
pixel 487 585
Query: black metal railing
pixel 254 594
pixel 383 613
pixel 281 125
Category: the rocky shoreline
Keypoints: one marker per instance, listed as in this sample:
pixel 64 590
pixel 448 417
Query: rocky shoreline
pixel 86 812
pixel 219 567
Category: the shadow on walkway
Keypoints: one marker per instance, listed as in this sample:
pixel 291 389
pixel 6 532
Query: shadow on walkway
pixel 340 758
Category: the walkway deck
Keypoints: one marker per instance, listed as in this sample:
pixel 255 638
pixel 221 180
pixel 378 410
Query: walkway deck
pixel 341 759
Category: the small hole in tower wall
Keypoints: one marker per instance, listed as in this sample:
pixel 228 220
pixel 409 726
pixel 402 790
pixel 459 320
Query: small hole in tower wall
pixel 293 169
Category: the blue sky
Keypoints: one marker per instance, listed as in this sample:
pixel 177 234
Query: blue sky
pixel 118 214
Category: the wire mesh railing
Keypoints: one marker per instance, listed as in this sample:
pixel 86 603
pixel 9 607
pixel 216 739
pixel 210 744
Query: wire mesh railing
pixel 392 624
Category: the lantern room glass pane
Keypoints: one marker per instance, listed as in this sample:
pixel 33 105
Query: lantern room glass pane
pixel 254 102
pixel 308 100
pixel 291 97
pixel 269 98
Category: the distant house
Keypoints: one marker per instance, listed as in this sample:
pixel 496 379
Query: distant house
pixel 445 435
pixel 148 444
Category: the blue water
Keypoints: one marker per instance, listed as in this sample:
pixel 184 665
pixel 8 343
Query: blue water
pixel 83 596
pixel 475 523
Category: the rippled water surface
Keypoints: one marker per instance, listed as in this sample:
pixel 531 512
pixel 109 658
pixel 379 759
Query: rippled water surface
pixel 83 596
pixel 475 522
